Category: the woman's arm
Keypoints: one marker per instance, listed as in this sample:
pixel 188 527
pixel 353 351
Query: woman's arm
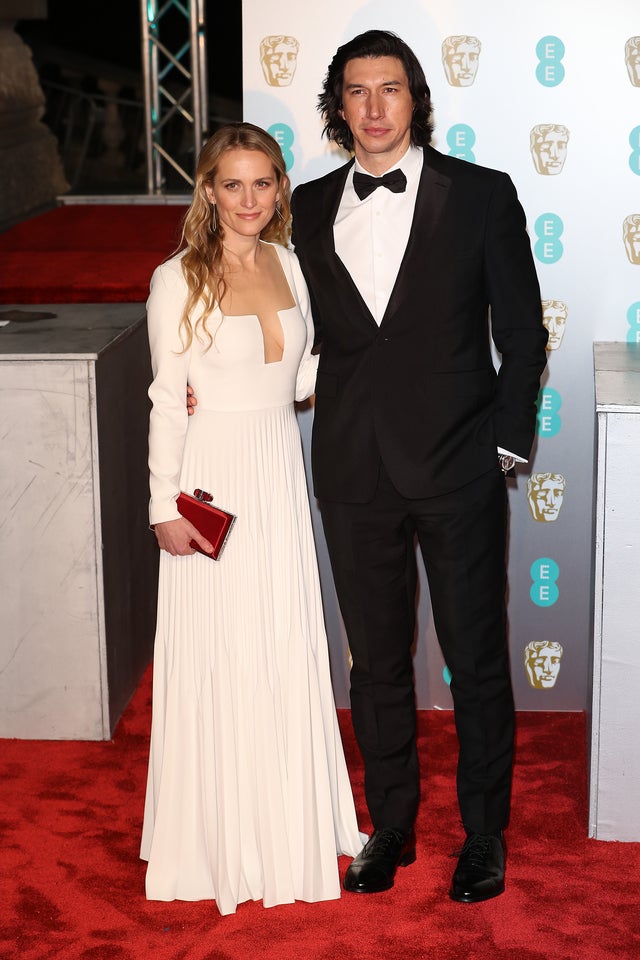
pixel 308 369
pixel 168 419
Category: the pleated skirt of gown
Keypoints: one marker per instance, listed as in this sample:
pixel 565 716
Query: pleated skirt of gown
pixel 248 795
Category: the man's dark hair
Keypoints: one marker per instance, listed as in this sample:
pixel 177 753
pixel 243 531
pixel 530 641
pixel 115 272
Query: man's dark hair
pixel 375 43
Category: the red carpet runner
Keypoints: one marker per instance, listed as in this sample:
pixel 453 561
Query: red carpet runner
pixel 72 886
pixel 71 883
pixel 91 253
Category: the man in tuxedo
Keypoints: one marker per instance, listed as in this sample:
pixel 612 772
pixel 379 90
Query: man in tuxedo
pixel 405 252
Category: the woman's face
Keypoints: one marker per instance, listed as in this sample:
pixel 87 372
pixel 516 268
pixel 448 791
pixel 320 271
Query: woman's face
pixel 245 191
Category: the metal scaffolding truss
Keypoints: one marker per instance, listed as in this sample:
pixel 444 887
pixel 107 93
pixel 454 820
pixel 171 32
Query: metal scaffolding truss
pixel 175 88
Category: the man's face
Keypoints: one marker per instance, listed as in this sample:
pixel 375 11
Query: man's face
pixel 551 151
pixel 377 107
pixel 279 64
pixel 461 64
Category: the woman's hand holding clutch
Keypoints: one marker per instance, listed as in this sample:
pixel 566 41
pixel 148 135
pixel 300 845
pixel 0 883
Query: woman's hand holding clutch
pixel 175 537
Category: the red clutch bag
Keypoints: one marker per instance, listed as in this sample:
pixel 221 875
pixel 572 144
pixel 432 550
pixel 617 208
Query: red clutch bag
pixel 212 522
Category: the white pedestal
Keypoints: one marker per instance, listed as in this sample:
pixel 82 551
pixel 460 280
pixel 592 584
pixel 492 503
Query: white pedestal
pixel 78 566
pixel 614 800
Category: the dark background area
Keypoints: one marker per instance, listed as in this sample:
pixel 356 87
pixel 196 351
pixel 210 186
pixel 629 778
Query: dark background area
pixel 110 31
pixel 88 56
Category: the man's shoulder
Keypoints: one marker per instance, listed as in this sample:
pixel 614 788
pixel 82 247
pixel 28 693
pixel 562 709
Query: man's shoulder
pixel 318 186
pixel 456 167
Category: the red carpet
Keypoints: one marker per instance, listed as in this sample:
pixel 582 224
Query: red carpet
pixel 71 883
pixel 72 886
pixel 87 254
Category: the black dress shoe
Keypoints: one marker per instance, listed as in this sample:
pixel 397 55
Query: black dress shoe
pixel 480 871
pixel 375 866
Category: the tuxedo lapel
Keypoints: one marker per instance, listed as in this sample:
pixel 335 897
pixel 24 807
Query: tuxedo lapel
pixel 340 276
pixel 430 202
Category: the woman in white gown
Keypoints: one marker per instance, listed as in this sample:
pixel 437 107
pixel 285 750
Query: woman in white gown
pixel 248 796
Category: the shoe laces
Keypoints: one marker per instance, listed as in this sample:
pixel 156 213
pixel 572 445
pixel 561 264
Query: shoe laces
pixel 475 849
pixel 385 840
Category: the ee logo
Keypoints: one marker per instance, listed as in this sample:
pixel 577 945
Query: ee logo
pixel 548 422
pixel 544 590
pixel 461 138
pixel 634 156
pixel 548 247
pixel 550 70
pixel 283 135
pixel 633 317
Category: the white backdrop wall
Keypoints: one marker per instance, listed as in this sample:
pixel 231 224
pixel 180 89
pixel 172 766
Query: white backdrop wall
pixel 550 92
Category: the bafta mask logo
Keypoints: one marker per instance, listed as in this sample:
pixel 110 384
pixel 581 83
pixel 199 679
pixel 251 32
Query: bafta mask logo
pixel 545 493
pixel 554 318
pixel 632 59
pixel 542 663
pixel 631 236
pixel 548 144
pixel 279 58
pixel 460 58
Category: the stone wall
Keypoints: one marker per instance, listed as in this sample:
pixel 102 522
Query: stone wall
pixel 31 175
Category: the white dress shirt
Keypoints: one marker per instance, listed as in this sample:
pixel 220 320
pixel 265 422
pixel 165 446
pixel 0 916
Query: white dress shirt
pixel 371 236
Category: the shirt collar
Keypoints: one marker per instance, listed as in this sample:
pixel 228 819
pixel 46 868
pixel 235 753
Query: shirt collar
pixel 410 164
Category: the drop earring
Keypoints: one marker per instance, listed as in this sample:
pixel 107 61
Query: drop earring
pixel 214 218
pixel 279 211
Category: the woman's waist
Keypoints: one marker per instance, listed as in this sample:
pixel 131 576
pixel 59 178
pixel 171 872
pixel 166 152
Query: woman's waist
pixel 241 395
pixel 208 407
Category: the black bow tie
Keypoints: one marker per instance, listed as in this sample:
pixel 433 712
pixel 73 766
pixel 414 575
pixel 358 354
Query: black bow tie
pixel 363 184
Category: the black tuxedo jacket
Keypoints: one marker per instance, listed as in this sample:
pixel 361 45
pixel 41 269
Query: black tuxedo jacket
pixel 420 391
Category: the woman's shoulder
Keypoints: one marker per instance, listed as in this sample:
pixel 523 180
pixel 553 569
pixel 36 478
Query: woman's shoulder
pixel 170 271
pixel 285 253
pixel 293 273
pixel 288 259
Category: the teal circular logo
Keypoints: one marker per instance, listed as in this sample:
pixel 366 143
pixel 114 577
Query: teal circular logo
pixel 548 229
pixel 283 135
pixel 633 319
pixel 544 589
pixel 634 156
pixel 550 70
pixel 548 422
pixel 460 139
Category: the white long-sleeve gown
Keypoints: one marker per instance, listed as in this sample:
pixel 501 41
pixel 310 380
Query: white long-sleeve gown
pixel 248 795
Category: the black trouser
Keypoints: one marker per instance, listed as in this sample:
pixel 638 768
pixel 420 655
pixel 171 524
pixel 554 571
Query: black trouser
pixel 462 537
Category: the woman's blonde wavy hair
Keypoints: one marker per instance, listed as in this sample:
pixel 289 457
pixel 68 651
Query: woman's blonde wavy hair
pixel 202 263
